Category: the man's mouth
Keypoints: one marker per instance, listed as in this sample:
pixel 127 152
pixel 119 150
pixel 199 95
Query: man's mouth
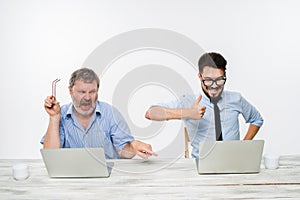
pixel 89 103
pixel 213 91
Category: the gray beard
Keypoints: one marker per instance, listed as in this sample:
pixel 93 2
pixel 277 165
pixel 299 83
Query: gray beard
pixel 86 113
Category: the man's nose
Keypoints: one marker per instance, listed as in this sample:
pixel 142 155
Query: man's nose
pixel 214 85
pixel 87 96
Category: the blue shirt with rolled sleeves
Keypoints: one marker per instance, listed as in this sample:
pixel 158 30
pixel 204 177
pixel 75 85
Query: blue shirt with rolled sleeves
pixel 107 129
pixel 231 105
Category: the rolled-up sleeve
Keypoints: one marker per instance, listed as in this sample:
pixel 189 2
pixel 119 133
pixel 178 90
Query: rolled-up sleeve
pixel 250 113
pixel 119 132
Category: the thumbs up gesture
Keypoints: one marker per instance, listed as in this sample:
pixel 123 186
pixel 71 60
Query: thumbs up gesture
pixel 195 112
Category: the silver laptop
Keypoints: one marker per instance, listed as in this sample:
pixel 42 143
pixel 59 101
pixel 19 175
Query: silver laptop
pixel 235 156
pixel 76 162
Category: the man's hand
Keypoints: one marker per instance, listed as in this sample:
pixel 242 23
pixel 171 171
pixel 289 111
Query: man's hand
pixel 142 149
pixel 161 113
pixel 139 148
pixel 195 112
pixel 52 107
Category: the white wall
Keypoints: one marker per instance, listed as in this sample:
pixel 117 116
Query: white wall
pixel 43 40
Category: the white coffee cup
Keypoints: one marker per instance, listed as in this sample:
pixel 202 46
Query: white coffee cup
pixel 20 171
pixel 271 161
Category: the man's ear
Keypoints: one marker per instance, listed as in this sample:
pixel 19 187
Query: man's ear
pixel 199 75
pixel 70 90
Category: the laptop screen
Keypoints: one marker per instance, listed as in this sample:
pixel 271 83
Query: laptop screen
pixel 236 156
pixel 75 162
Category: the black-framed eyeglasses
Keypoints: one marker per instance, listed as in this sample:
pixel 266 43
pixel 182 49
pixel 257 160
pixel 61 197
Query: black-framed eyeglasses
pixel 218 81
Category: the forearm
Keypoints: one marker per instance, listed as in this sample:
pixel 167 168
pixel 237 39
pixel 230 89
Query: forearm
pixel 160 113
pixel 52 139
pixel 252 131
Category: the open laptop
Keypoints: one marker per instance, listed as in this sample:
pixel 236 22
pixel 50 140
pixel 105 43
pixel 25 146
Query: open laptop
pixel 235 156
pixel 76 162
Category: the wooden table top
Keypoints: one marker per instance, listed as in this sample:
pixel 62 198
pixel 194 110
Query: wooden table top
pixel 153 179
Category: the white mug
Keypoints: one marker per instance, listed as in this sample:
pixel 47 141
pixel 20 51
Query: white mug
pixel 271 161
pixel 20 171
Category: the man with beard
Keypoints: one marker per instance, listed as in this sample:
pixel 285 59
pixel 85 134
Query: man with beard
pixel 212 114
pixel 89 123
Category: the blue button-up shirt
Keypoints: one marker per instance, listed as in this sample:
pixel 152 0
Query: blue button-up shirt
pixel 231 105
pixel 107 129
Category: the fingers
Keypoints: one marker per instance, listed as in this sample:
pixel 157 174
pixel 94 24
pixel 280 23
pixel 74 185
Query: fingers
pixel 143 155
pixel 147 150
pixel 150 152
pixel 50 101
pixel 143 150
pixel 201 110
pixel 196 111
pixel 51 106
pixel 146 154
pixel 198 99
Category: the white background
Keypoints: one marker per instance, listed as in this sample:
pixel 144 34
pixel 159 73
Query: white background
pixel 43 40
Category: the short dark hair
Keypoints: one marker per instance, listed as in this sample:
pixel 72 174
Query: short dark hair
pixel 84 74
pixel 212 59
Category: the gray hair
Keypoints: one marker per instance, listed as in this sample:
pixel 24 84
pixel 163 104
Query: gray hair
pixel 84 74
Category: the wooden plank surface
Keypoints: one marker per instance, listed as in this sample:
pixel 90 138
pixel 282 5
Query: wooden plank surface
pixel 154 179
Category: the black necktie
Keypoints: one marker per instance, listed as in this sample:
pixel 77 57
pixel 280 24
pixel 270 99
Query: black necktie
pixel 218 128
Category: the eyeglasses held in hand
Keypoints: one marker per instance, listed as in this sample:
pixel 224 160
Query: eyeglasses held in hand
pixel 54 87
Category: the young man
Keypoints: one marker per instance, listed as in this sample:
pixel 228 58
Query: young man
pixel 87 122
pixel 212 115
